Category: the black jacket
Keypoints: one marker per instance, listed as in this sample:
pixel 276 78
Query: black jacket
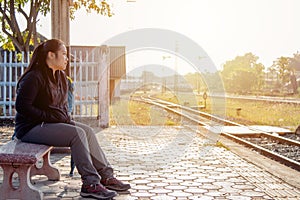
pixel 40 101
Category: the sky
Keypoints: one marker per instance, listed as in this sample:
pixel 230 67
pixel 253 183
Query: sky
pixel 224 29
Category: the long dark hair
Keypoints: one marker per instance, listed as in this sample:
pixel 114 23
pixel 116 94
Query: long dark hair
pixel 39 56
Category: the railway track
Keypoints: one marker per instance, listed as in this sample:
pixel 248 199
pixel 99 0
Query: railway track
pixel 264 99
pixel 282 149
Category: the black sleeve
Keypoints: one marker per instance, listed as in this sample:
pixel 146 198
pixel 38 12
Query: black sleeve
pixel 28 89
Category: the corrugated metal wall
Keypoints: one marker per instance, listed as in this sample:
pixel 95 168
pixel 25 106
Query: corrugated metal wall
pixel 117 62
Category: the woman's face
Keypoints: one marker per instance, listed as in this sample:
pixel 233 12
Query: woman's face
pixel 58 60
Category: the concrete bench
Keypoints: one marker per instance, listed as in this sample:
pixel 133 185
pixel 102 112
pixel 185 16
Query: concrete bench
pixel 21 158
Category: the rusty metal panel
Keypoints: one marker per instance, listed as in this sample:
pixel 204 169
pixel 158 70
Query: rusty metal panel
pixel 117 62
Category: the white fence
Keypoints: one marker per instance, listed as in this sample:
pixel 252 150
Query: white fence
pixel 84 70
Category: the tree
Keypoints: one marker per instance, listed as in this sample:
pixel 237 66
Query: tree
pixel 286 68
pixel 18 39
pixel 295 62
pixel 282 67
pixel 295 66
pixel 259 76
pixel 196 82
pixel 243 74
pixel 9 10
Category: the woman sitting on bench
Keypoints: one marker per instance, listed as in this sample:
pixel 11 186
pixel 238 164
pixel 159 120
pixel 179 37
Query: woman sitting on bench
pixel 42 118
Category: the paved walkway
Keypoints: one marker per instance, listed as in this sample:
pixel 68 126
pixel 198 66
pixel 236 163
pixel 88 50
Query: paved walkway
pixel 171 163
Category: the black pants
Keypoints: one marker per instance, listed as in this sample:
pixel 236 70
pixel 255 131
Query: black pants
pixel 89 158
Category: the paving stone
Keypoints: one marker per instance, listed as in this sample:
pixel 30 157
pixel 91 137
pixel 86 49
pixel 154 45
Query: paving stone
pixel 237 180
pixel 198 175
pixel 173 181
pixel 163 197
pixel 230 190
pixel 215 193
pixel 220 177
pixel 158 184
pixel 230 175
pixel 195 191
pixel 164 170
pixel 142 194
pixel 193 170
pixel 252 194
pixel 224 169
pixel 239 198
pixel 170 163
pixel 223 184
pixel 186 178
pixel 160 191
pixel 141 172
pixel 67 194
pixel 204 180
pixel 141 187
pixel 180 194
pixel 207 167
pixel 140 182
pixel 125 197
pixel 155 179
pixel 125 178
pixel 168 175
pixel 178 168
pixel 191 184
pixel 279 193
pixel 210 187
pixel 292 192
pixel 140 176
pixel 203 198
pixel 244 186
pixel 175 187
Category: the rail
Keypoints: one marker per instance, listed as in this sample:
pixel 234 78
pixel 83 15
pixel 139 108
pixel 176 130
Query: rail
pixel 209 121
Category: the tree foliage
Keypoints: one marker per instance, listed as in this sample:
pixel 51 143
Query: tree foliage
pixel 285 68
pixel 205 82
pixel 100 7
pixel 282 67
pixel 295 62
pixel 10 10
pixel 243 74
pixel 13 12
pixel 196 82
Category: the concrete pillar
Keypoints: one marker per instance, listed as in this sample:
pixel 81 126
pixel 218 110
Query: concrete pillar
pixel 60 20
pixel 60 23
pixel 104 86
pixel 115 89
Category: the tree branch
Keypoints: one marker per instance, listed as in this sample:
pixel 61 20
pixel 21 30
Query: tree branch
pixel 15 26
pixel 21 11
pixel 31 22
pixel 6 19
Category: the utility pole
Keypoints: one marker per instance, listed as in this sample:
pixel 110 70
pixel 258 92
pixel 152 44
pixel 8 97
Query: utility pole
pixel 176 68
pixel 164 81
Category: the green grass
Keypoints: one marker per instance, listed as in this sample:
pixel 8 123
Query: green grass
pixel 251 112
pixel 264 113
pixel 257 112
pixel 130 112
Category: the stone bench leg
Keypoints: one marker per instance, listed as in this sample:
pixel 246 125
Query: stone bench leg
pixel 25 190
pixel 47 169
